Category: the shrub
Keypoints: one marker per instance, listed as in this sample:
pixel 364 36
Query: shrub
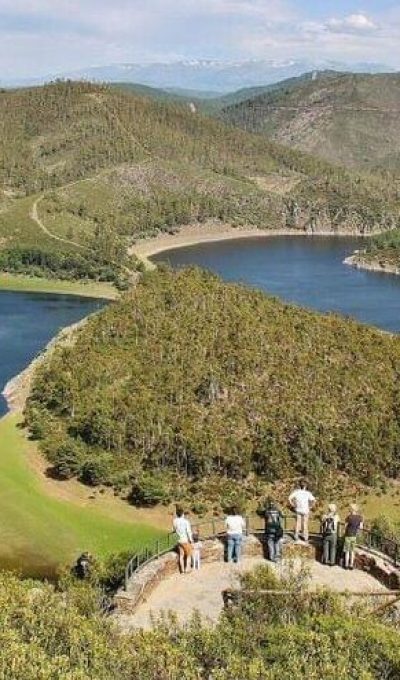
pixel 96 469
pixel 149 490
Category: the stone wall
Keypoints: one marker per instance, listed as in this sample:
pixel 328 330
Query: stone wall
pixel 380 568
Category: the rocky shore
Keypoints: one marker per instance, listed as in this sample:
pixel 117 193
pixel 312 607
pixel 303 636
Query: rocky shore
pixel 359 262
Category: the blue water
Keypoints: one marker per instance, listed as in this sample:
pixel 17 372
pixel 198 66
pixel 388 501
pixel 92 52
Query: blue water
pixel 307 271
pixel 28 321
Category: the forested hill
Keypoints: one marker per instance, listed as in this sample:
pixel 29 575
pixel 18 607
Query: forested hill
pixel 348 119
pixel 189 384
pixel 86 169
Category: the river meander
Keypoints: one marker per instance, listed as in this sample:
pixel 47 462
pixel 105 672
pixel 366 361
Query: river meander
pixel 308 271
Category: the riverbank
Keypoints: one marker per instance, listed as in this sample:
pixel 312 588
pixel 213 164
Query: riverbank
pixel 194 234
pixel 16 391
pixel 357 261
pixel 30 284
pixel 48 522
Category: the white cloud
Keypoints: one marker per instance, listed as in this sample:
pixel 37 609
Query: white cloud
pixel 353 23
pixel 48 36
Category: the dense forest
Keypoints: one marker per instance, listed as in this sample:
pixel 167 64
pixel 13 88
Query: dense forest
pixel 50 633
pixel 188 385
pixel 88 168
pixel 347 119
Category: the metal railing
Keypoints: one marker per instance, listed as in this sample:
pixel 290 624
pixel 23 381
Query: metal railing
pixel 371 540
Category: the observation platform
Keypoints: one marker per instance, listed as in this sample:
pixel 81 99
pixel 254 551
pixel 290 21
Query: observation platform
pixel 154 586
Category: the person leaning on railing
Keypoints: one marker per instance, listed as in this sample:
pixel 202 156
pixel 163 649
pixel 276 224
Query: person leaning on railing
pixel 273 531
pixel 235 527
pixel 302 502
pixel 183 530
pixel 354 524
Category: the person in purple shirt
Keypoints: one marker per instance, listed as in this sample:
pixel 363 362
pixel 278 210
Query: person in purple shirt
pixel 354 523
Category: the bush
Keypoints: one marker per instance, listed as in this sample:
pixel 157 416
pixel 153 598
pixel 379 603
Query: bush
pixel 149 490
pixel 96 469
pixel 68 459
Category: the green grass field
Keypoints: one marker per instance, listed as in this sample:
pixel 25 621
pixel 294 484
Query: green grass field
pixel 29 284
pixel 39 533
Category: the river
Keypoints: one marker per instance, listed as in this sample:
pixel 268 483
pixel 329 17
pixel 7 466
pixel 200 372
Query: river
pixel 308 271
pixel 28 321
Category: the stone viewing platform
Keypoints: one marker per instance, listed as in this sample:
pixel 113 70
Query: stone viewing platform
pixel 158 587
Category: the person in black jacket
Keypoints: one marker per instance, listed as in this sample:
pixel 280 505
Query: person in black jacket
pixel 273 531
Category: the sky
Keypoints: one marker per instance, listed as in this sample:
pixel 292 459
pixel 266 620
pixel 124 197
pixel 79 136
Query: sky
pixel 45 37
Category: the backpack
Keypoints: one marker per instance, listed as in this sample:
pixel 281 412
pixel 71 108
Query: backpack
pixel 273 523
pixel 328 526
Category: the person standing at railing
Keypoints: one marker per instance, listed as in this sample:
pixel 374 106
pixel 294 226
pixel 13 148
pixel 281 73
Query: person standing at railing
pixel 235 526
pixel 273 531
pixel 302 502
pixel 183 530
pixel 329 531
pixel 354 524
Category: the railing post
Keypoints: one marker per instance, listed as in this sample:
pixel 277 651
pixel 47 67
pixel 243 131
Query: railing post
pixel 126 578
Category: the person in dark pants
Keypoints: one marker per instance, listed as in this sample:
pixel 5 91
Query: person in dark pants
pixel 329 531
pixel 235 527
pixel 354 524
pixel 273 531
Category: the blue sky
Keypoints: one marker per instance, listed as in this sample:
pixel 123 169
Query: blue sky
pixel 40 37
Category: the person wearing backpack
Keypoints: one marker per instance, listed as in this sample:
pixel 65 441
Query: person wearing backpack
pixel 329 530
pixel 273 531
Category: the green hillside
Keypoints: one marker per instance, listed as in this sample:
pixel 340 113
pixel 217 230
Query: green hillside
pixel 86 169
pixel 272 391
pixel 347 119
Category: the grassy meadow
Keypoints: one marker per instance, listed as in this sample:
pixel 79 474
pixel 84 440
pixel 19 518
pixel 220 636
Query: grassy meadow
pixel 38 532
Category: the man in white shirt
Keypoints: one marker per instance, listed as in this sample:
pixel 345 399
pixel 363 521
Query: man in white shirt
pixel 302 501
pixel 183 530
pixel 235 526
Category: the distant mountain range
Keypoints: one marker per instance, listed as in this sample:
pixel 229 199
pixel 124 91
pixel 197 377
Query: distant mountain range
pixel 211 76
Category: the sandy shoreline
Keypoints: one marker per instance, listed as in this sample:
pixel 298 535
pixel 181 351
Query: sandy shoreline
pixel 357 262
pixel 211 232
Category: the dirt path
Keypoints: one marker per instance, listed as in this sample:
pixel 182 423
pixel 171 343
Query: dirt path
pixel 34 215
pixel 201 590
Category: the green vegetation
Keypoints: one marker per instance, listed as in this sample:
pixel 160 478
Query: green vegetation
pixel 62 266
pixel 41 285
pixel 86 169
pixel 50 634
pixel 382 250
pixel 188 385
pixel 347 119
pixel 39 533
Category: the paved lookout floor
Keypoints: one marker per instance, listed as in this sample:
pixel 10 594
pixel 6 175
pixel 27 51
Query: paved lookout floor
pixel 201 590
